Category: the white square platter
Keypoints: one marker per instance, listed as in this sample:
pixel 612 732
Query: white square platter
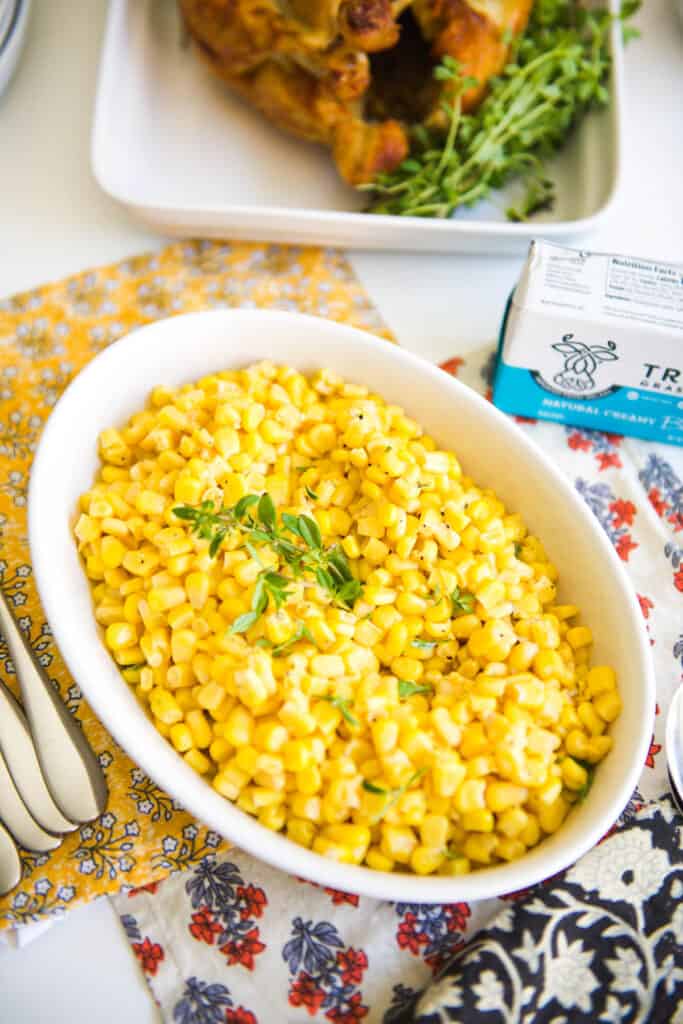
pixel 174 146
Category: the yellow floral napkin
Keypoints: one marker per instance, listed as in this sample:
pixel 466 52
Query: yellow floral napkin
pixel 46 337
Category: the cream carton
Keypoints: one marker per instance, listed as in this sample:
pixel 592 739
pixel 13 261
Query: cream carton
pixel 595 340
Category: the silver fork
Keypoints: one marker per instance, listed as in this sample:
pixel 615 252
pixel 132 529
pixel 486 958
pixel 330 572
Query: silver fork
pixel 50 779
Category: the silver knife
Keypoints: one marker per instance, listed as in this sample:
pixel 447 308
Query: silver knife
pixel 70 768
pixel 14 815
pixel 17 748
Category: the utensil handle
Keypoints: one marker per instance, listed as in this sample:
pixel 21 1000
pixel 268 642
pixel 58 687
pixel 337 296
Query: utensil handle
pixel 10 865
pixel 16 817
pixel 20 754
pixel 70 767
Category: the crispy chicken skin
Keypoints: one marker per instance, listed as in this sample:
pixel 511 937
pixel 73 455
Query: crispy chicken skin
pixel 306 65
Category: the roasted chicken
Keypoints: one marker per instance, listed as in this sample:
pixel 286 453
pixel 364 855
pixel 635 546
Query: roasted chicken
pixel 353 74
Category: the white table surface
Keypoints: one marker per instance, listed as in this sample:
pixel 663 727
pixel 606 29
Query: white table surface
pixel 54 221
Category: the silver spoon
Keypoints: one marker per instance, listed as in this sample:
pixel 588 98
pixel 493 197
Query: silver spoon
pixel 674 747
pixel 70 768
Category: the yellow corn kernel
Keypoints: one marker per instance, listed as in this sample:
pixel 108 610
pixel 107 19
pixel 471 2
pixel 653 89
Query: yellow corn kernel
pixel 608 705
pixel 120 635
pixel 239 727
pixel 270 736
pixel 548 664
pixel 481 820
pixel 470 796
pixel 510 849
pixel 576 744
pixel 301 831
pixel 197 586
pixel 161 599
pixel 230 782
pixel 179 617
pixel 425 860
pixel 183 643
pixel 590 719
pixel 481 847
pixel 597 748
pixel 200 728
pixel 149 503
pixel 378 861
pixel 579 636
pixel 512 822
pixel 180 737
pixel 601 679
pixel 445 727
pixel 164 706
pixel 309 780
pixel 210 696
pixel 502 795
pixel 448 774
pixel 112 552
pixel 385 735
pixel 179 676
pixel 142 562
pixel 574 775
pixel 522 655
pixel 551 816
pixel 398 842
pixel 307 806
pixel 219 750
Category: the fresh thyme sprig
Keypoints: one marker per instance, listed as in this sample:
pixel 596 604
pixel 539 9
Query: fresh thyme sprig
pixel 343 704
pixel 255 516
pixel 407 688
pixel 557 70
pixel 392 795
pixel 462 602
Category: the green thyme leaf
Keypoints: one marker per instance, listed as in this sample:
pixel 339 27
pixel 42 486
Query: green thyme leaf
pixel 266 510
pixel 310 532
pixel 590 773
pixel 343 704
pixel 423 645
pixel 407 688
pixel 462 602
pixel 302 632
pixel 244 622
pixel 370 787
pixel 394 795
pixel 311 493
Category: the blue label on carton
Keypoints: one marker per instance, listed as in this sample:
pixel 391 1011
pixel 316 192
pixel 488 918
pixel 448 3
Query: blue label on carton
pixel 595 341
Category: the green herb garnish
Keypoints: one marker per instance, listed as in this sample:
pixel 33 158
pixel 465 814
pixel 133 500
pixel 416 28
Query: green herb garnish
pixel 406 688
pixel 311 493
pixel 343 704
pixel 556 71
pixel 423 645
pixel 590 772
pixel 256 518
pixel 301 632
pixel 370 787
pixel 518 549
pixel 392 795
pixel 462 602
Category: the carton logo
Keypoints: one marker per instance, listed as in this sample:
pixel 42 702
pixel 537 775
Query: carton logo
pixel 581 362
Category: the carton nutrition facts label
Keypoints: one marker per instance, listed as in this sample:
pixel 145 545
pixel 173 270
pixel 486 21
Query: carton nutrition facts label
pixel 602 286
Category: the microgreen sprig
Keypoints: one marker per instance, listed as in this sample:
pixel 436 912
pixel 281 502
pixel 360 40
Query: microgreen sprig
pixel 556 71
pixel 302 632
